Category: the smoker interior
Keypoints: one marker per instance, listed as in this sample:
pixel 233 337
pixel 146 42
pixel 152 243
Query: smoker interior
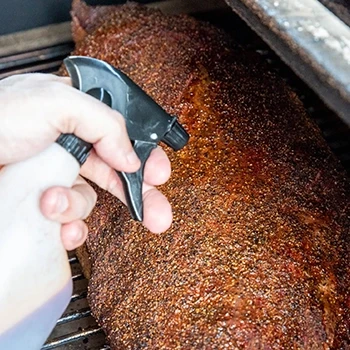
pixel 77 328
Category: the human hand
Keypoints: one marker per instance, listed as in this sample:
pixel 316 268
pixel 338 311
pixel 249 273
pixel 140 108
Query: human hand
pixel 36 109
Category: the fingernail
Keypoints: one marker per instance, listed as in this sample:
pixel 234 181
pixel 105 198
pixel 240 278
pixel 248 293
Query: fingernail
pixel 61 203
pixel 132 158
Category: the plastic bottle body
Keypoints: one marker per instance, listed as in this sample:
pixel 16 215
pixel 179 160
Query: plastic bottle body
pixel 35 285
pixel 32 331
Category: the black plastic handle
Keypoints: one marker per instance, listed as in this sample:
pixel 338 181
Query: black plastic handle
pixel 147 123
pixel 132 182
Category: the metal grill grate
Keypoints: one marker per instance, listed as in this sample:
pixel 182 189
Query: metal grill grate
pixel 46 60
pixel 77 329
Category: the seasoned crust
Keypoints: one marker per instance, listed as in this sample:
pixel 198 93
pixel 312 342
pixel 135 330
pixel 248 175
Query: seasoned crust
pixel 257 254
pixel 83 257
pixel 85 19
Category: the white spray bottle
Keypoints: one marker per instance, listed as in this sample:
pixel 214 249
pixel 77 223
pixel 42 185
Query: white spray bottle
pixel 36 284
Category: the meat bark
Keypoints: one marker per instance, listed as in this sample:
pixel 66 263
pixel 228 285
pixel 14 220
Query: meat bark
pixel 257 256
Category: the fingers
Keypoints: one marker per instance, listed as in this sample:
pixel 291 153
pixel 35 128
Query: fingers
pixel 158 218
pixel 50 106
pixel 96 123
pixel 157 172
pixel 66 205
pixel 157 211
pixel 73 234
pixel 157 168
pixel 69 207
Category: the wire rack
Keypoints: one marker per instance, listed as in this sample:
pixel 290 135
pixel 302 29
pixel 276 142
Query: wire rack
pixel 77 329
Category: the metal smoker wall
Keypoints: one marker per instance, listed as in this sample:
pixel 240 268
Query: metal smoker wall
pixel 18 15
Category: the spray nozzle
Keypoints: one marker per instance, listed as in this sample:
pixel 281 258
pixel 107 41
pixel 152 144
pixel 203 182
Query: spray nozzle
pixel 147 123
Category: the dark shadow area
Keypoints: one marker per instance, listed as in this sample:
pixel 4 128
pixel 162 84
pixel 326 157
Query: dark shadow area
pixel 18 15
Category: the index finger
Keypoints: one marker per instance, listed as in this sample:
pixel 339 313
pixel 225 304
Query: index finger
pixel 94 122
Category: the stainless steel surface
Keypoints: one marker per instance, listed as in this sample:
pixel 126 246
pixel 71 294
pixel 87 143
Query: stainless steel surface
pixel 77 329
pixel 311 39
pixel 319 33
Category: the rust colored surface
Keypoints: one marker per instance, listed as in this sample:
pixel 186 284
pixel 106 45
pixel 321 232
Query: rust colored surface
pixel 257 256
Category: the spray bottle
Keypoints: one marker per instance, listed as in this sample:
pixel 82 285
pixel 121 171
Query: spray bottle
pixel 36 283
